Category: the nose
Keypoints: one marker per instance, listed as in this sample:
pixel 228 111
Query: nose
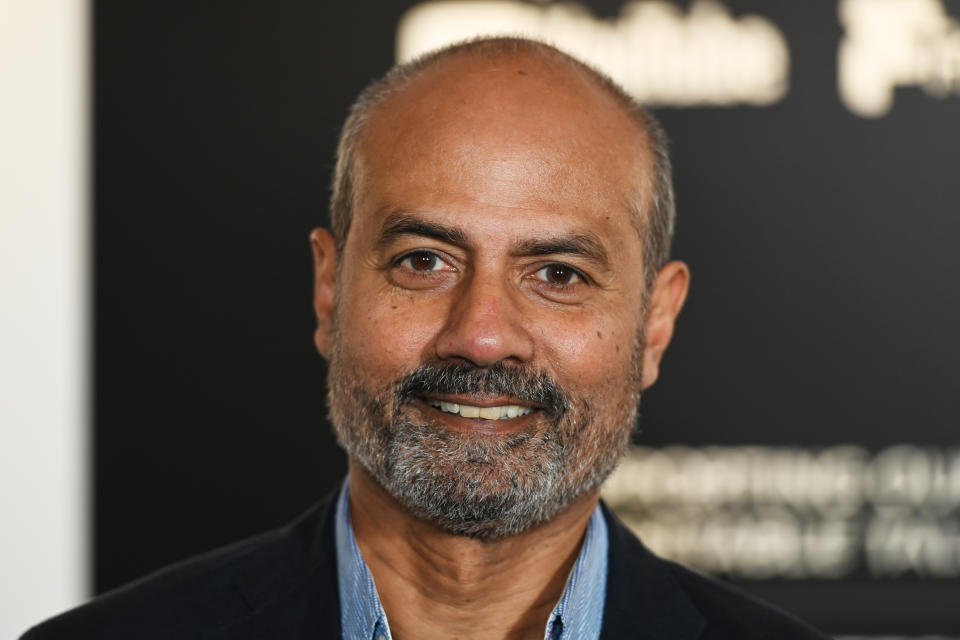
pixel 484 325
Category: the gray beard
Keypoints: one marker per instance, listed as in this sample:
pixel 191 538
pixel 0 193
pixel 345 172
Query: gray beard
pixel 475 485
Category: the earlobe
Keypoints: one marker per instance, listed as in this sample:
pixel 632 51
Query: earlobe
pixel 324 287
pixel 666 299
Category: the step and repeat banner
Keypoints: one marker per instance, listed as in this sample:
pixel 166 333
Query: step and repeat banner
pixel 803 440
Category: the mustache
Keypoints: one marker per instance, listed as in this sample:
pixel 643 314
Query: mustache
pixel 529 386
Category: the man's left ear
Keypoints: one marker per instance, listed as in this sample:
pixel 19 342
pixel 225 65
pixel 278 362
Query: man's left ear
pixel 324 287
pixel 666 300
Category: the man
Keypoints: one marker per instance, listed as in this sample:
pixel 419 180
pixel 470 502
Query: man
pixel 493 298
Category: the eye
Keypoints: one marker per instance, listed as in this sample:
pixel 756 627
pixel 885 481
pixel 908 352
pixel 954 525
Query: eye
pixel 422 261
pixel 559 274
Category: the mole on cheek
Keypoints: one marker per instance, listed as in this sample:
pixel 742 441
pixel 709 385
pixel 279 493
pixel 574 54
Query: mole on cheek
pixel 599 335
pixel 618 348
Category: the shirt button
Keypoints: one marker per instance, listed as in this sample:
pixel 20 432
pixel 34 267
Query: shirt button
pixel 381 637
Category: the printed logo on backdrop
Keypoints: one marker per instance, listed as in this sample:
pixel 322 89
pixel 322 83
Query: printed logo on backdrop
pixel 706 56
pixel 660 54
pixel 895 43
pixel 790 512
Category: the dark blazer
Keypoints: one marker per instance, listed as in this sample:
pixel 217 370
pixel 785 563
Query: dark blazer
pixel 282 585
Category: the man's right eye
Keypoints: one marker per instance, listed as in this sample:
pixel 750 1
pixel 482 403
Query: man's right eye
pixel 422 261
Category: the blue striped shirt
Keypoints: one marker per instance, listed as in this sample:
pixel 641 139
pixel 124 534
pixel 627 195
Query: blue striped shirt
pixel 577 615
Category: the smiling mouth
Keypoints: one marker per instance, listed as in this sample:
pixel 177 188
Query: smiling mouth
pixel 499 412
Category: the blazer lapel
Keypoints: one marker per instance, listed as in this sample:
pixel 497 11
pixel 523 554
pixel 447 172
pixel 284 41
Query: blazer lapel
pixel 293 594
pixel 643 597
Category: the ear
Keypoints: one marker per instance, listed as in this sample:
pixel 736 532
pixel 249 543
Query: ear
pixel 324 287
pixel 666 300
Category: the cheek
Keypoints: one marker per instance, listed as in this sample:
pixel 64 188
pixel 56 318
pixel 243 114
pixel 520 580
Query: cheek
pixel 386 333
pixel 589 352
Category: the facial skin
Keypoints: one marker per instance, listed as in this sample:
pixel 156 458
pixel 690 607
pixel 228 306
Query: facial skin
pixel 492 262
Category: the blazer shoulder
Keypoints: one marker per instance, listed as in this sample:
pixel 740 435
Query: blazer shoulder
pixel 201 595
pixel 732 613
pixel 648 596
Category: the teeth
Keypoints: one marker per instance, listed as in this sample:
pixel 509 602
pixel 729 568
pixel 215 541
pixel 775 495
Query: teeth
pixel 490 413
pixel 502 412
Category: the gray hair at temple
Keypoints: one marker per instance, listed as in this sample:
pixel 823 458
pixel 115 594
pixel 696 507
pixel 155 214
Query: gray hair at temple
pixel 656 229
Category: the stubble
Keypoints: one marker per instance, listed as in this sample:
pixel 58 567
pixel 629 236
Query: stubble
pixel 480 485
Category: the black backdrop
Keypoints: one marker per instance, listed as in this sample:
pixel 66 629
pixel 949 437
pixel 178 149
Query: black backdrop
pixel 823 248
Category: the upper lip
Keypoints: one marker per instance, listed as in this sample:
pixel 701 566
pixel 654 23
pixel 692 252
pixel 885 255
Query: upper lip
pixel 481 401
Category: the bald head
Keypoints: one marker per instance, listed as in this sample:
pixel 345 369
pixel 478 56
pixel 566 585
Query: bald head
pixel 519 102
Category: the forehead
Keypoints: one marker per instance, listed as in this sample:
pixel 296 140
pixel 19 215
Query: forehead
pixel 509 131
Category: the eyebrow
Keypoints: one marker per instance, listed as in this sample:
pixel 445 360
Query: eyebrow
pixel 578 244
pixel 400 224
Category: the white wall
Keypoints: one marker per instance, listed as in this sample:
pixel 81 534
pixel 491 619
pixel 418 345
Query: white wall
pixel 43 310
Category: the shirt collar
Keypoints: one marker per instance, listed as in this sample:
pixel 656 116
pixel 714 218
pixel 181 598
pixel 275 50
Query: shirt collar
pixel 361 615
pixel 579 612
pixel 577 615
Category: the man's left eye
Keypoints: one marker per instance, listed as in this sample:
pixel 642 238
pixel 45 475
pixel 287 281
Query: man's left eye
pixel 559 274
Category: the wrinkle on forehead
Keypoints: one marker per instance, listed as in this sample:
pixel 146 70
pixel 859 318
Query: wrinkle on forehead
pixel 521 178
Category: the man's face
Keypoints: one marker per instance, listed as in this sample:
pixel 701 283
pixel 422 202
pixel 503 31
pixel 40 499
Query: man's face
pixel 486 358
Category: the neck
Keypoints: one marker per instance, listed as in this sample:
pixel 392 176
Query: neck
pixel 434 584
